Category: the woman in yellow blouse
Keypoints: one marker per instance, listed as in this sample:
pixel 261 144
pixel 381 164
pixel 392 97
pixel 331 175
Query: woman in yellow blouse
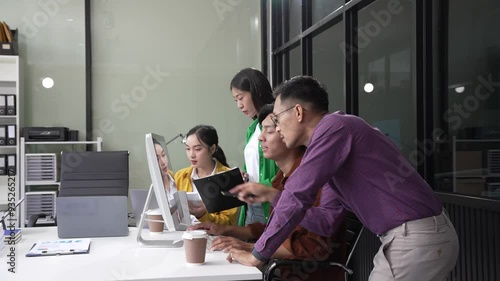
pixel 207 158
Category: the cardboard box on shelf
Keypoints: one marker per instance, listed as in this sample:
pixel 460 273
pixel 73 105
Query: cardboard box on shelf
pixel 469 160
pixel 470 186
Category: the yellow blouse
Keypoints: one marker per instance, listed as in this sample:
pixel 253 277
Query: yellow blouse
pixel 184 183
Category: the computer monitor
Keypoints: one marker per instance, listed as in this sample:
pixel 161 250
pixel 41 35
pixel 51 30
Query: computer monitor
pixel 152 142
pixel 175 212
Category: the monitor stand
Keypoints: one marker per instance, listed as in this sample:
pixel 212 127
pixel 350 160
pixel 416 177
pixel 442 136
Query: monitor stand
pixel 154 243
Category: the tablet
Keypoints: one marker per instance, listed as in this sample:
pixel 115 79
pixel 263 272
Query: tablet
pixel 194 198
pixel 212 188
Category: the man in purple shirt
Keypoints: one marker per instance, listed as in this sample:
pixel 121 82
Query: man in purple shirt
pixel 370 177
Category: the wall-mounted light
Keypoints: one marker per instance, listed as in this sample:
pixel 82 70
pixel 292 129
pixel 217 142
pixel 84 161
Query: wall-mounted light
pixel 460 89
pixel 48 82
pixel 368 87
pixel 255 23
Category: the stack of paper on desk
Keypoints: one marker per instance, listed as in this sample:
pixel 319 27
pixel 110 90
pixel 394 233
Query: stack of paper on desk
pixel 60 247
pixel 11 237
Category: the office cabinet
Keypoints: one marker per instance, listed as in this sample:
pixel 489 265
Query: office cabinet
pixel 11 112
pixel 476 167
pixel 40 170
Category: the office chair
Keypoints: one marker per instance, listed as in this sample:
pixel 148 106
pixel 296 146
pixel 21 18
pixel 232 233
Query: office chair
pixel 94 173
pixel 354 230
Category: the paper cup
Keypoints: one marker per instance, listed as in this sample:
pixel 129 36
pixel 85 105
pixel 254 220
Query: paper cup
pixel 155 221
pixel 195 245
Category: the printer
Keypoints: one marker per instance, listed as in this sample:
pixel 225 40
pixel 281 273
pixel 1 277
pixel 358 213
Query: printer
pixel 46 133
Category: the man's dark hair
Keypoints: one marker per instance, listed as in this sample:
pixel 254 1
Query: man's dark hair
pixel 265 111
pixel 268 109
pixel 304 89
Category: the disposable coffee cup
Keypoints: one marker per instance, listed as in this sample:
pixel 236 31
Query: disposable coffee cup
pixel 155 221
pixel 195 244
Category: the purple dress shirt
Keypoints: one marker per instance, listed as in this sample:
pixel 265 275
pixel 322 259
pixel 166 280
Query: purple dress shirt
pixel 363 169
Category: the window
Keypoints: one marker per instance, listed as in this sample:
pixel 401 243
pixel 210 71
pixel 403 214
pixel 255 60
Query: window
pixel 386 97
pixel 295 18
pixel 321 8
pixel 295 62
pixel 328 63
pixel 390 75
pixel 467 157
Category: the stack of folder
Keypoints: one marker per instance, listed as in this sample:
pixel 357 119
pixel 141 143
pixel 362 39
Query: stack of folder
pixel 8 105
pixel 8 135
pixel 12 239
pixel 7 164
pixel 5 33
pixel 8 40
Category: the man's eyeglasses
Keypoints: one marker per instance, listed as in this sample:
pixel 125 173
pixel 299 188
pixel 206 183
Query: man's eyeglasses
pixel 274 117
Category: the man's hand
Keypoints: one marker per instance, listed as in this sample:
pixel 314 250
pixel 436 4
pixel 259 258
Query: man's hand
pixel 226 244
pixel 252 192
pixel 245 258
pixel 210 227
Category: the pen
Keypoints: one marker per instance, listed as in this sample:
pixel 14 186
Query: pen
pixel 229 194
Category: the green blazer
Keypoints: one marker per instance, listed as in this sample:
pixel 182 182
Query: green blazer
pixel 267 172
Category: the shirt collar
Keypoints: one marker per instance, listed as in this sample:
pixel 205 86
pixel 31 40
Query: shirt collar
pixel 194 173
pixel 280 179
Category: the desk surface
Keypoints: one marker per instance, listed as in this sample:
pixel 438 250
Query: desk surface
pixel 117 258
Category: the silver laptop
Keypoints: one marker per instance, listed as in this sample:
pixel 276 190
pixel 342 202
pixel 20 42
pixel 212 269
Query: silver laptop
pixel 92 216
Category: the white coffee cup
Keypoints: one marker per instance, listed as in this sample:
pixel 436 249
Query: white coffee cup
pixel 155 220
pixel 195 244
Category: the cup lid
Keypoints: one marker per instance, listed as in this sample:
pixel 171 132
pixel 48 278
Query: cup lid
pixel 194 234
pixel 154 212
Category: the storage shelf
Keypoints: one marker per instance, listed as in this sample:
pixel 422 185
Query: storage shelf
pixel 28 186
pixel 61 142
pixel 476 140
pixel 11 84
pixel 42 183
pixel 477 177
pixel 8 58
pixel 468 156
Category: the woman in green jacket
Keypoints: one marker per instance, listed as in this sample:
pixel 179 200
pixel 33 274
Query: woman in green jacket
pixel 251 90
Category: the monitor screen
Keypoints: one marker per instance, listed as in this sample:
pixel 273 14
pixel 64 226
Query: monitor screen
pixel 174 211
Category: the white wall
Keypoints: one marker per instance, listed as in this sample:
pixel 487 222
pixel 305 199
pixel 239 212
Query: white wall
pixel 196 46
pixel 51 44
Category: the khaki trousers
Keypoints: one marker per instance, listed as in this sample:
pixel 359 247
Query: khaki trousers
pixel 419 250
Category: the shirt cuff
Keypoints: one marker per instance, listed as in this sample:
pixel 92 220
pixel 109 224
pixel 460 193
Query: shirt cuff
pixel 205 217
pixel 258 256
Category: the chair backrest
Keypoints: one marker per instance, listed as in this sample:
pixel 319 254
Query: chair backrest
pixel 354 230
pixel 90 173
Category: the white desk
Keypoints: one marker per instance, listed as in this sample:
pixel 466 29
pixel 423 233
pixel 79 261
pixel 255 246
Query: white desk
pixel 117 258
